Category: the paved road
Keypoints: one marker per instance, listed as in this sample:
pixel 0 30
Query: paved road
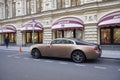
pixel 16 66
pixel 105 53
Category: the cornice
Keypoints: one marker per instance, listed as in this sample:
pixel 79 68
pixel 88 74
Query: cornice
pixel 79 9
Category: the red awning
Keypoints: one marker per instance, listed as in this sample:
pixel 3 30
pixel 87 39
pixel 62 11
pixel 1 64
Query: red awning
pixel 37 26
pixel 68 23
pixel 110 20
pixel 8 29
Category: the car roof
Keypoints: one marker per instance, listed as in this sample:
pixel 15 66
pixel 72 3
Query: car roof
pixel 64 39
pixel 73 39
pixel 76 41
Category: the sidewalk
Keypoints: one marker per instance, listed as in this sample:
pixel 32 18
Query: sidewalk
pixel 105 53
pixel 15 48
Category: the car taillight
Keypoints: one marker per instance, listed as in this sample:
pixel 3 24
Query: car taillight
pixel 96 49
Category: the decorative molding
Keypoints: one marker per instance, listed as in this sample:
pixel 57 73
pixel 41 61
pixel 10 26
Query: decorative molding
pixel 95 6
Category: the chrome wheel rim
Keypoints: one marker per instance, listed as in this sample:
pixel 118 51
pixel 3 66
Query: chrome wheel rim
pixel 78 57
pixel 35 53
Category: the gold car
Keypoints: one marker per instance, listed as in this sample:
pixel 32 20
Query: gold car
pixel 78 51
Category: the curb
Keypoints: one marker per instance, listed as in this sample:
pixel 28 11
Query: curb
pixel 110 58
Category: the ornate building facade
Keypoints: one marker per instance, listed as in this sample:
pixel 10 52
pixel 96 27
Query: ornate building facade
pixel 39 21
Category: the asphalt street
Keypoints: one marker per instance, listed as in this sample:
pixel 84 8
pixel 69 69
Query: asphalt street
pixel 21 66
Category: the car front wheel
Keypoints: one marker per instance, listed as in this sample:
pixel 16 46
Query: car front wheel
pixel 35 53
pixel 78 57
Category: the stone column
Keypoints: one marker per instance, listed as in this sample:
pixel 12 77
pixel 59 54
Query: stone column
pixel 19 40
pixel 47 35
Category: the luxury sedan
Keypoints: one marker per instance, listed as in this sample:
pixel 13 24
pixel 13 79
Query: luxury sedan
pixel 78 51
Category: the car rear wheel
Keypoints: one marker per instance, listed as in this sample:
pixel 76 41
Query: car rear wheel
pixel 78 57
pixel 35 53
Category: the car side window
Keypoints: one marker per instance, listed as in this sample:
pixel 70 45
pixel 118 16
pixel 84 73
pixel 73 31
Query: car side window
pixel 67 42
pixel 56 42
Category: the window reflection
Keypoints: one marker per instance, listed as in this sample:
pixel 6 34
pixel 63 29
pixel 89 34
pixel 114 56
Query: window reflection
pixel 117 35
pixel 40 37
pixel 11 36
pixel 37 37
pixel 28 37
pixel 105 36
pixel 68 34
pixel 78 34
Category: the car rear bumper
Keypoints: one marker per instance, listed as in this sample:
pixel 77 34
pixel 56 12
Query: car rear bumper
pixel 94 55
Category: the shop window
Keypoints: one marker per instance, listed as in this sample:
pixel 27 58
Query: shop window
pixel 68 34
pixel 105 36
pixel 11 36
pixel 59 34
pixel 40 37
pixel 78 34
pixel 37 37
pixel 28 37
pixel 117 35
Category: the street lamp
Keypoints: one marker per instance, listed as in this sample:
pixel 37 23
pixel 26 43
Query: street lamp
pixel 33 29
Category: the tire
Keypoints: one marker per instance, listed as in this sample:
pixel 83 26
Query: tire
pixel 78 57
pixel 35 53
